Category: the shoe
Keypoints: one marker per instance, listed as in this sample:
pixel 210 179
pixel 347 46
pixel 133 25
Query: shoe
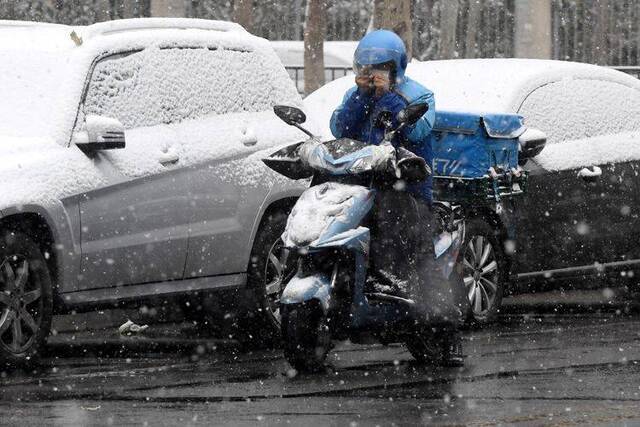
pixel 452 355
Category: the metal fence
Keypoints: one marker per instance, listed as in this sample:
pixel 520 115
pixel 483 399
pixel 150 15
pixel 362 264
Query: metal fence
pixel 330 74
pixel 633 70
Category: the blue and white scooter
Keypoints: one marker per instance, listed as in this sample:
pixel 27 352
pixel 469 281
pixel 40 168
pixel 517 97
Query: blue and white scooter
pixel 327 299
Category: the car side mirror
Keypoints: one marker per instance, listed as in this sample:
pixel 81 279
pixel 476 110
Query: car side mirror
pixel 290 115
pixel 531 143
pixel 101 133
pixel 412 113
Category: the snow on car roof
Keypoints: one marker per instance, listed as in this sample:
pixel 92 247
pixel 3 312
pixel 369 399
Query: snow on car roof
pixel 471 85
pixel 47 36
pixel 500 85
pixel 42 63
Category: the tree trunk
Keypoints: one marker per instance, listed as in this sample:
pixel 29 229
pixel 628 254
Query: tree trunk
pixel 314 35
pixel 168 8
pixel 600 50
pixel 102 10
pixel 297 33
pixel 243 13
pixel 395 15
pixel 471 41
pixel 448 26
pixel 533 29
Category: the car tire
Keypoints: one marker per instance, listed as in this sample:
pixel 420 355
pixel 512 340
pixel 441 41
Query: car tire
pixel 484 271
pixel 26 302
pixel 267 272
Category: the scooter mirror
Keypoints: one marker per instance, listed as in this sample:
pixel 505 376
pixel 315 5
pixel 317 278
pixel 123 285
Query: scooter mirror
pixel 290 115
pixel 412 113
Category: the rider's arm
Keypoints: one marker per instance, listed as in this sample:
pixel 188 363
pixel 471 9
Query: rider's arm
pixel 349 117
pixel 417 133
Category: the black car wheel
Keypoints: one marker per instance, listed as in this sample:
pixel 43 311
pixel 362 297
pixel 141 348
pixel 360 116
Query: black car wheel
pixel 25 299
pixel 483 271
pixel 269 269
pixel 277 270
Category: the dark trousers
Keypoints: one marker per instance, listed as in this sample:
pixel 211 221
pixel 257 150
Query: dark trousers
pixel 402 254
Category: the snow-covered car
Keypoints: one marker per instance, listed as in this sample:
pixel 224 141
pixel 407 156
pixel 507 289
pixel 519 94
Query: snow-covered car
pixel 130 168
pixel 579 218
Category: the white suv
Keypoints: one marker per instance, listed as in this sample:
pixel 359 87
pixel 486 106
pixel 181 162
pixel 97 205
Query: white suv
pixel 130 167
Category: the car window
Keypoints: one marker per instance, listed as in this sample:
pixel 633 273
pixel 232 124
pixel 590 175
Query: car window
pixel 581 108
pixel 165 86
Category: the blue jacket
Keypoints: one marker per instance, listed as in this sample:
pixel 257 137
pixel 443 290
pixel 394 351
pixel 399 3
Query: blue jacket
pixel 355 118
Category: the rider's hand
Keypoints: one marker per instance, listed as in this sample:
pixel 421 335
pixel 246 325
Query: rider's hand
pixel 381 83
pixel 364 83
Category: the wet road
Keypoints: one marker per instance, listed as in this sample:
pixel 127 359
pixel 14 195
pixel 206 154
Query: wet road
pixel 560 366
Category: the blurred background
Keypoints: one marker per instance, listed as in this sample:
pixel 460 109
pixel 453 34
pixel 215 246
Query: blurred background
pixel 604 32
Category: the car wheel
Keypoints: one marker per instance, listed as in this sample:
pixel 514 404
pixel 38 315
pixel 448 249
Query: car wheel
pixel 483 271
pixel 25 299
pixel 269 269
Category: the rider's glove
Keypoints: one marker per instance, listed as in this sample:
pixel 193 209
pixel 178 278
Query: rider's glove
pixel 310 152
pixel 384 158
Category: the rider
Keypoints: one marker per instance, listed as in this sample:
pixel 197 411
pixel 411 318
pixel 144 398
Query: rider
pixel 405 232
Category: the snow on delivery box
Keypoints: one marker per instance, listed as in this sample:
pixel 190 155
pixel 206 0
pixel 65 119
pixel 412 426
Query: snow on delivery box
pixel 476 156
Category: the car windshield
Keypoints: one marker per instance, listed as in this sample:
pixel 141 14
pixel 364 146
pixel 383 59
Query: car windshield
pixel 31 85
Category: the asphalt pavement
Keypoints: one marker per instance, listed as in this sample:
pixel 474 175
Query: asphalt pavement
pixel 551 359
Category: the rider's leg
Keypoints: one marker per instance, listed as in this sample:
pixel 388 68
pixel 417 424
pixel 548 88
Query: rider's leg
pixel 441 298
pixel 391 241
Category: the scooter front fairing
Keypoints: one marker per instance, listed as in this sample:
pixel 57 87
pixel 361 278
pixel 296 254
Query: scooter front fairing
pixel 326 217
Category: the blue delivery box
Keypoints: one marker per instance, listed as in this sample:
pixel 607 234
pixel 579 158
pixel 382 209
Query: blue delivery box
pixel 476 156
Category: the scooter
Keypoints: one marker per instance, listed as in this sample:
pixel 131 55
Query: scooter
pixel 328 298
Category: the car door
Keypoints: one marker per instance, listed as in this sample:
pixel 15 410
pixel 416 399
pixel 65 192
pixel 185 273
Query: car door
pixel 135 228
pixel 227 127
pixel 575 219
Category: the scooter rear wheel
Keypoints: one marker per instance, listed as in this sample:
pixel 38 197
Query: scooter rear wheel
pixel 306 336
pixel 425 348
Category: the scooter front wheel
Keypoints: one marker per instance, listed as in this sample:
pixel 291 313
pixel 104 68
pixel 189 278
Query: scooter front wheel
pixel 306 336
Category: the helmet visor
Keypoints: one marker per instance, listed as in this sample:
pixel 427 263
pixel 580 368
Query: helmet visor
pixel 371 56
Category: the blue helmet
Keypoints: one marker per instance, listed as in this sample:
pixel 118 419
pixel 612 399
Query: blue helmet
pixel 379 47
